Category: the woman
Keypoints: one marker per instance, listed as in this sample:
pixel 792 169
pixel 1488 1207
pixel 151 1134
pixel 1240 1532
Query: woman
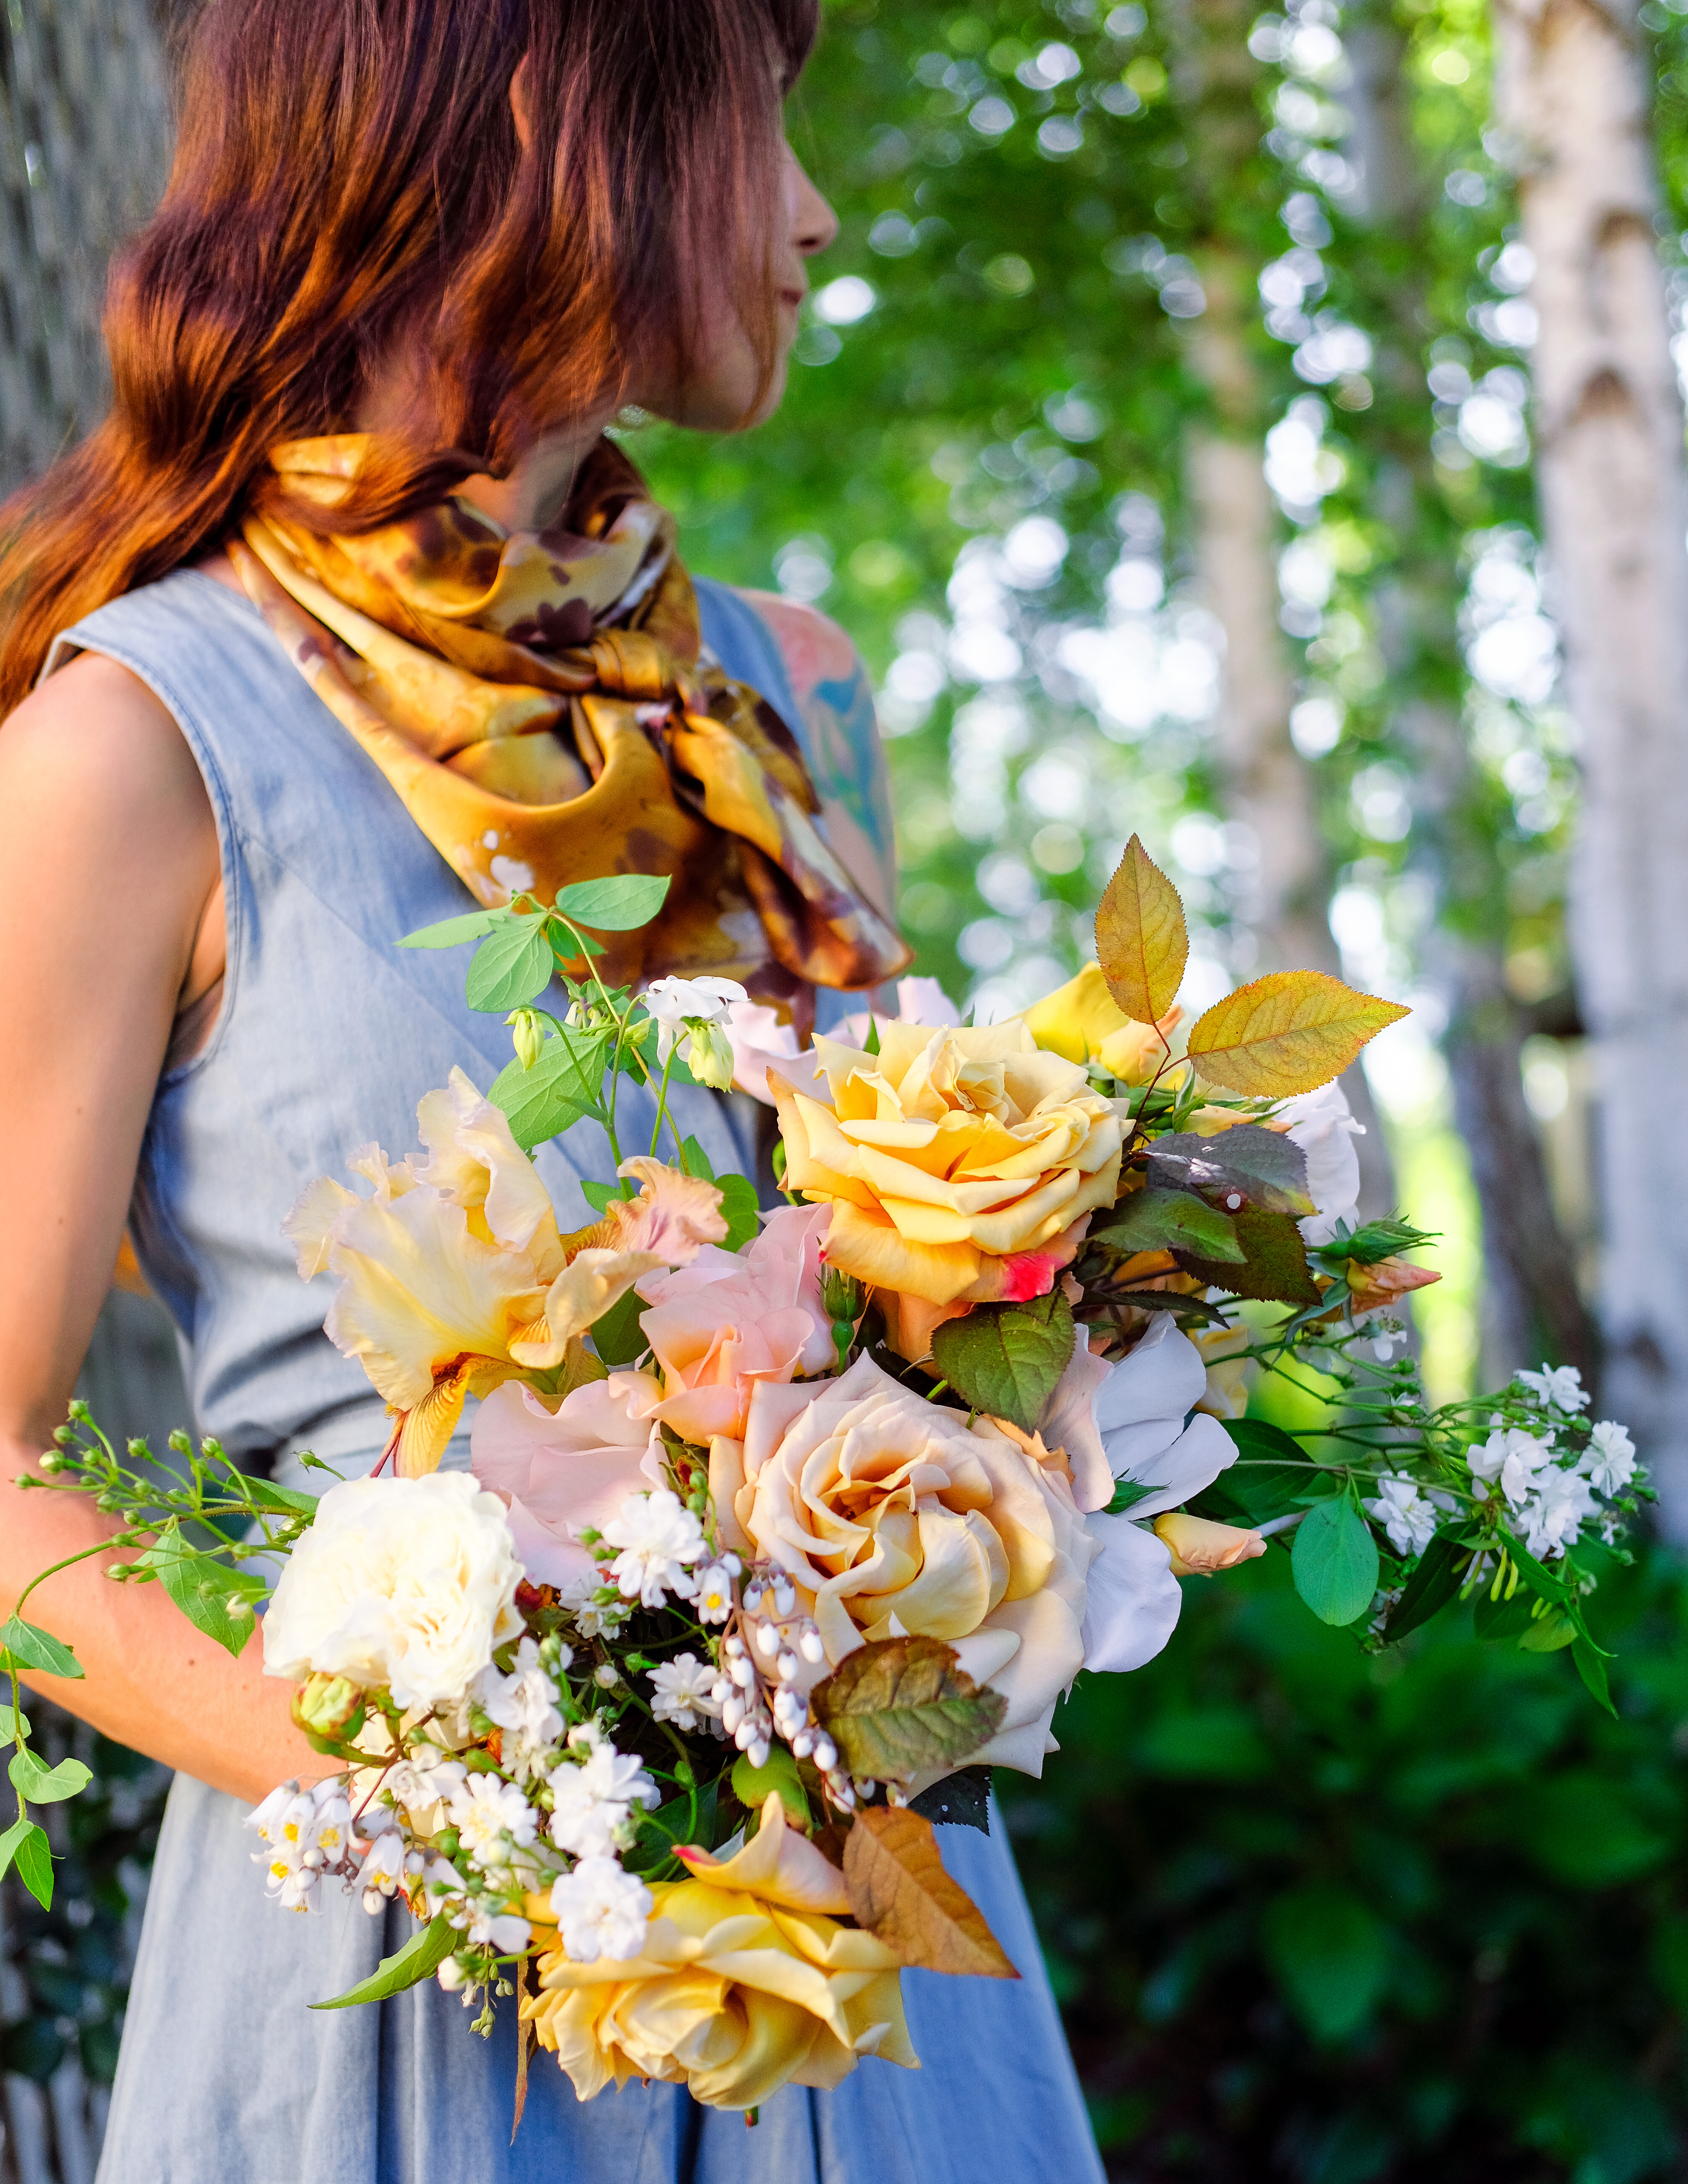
pixel 352 496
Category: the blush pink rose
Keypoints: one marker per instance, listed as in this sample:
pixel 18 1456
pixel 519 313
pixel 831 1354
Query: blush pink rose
pixel 723 1323
pixel 563 1472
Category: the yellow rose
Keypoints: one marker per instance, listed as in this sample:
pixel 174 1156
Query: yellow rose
pixel 747 1982
pixel 962 1165
pixel 894 1514
pixel 1081 1021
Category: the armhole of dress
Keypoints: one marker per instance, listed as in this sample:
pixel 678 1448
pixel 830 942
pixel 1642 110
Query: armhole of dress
pixel 191 1046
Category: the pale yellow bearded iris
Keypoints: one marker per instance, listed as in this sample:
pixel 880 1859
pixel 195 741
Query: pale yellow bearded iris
pixel 962 1165
pixel 747 1982
pixel 454 1277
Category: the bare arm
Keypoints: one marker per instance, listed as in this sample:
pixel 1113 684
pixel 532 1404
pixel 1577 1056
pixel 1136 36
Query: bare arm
pixel 110 919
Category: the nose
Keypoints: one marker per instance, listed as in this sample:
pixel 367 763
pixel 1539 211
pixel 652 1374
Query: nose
pixel 814 224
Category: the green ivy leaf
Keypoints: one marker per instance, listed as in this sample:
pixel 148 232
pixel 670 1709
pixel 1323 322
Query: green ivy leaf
pixel 512 967
pixel 453 932
pixel 620 904
pixel 560 1089
pixel 1007 1359
pixel 32 1647
pixel 900 1706
pixel 32 1778
pixel 25 1845
pixel 1335 1561
pixel 1170 1220
pixel 202 1588
pixel 425 1952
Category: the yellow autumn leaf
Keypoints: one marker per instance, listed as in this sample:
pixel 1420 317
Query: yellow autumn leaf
pixel 1289 1032
pixel 1140 938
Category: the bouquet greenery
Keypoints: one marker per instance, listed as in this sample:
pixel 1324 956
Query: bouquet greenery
pixel 783 1529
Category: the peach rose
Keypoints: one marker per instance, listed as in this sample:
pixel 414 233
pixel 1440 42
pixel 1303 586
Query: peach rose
pixel 747 1982
pixel 561 1472
pixel 723 1323
pixel 962 1165
pixel 893 1515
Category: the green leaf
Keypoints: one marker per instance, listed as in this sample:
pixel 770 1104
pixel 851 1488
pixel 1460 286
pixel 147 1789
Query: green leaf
pixel 1548 1633
pixel 202 1588
pixel 1592 1670
pixel 425 1952
pixel 598 1195
pixel 560 1089
pixel 1275 1261
pixel 453 932
pixel 1263 1167
pixel 900 1706
pixel 268 1496
pixel 696 1161
pixel 1436 1581
pixel 12 1723
pixel 616 1335
pixel 1170 1220
pixel 753 1786
pixel 1334 1562
pixel 32 1778
pixel 32 1647
pixel 961 1800
pixel 620 904
pixel 1376 1241
pixel 512 968
pixel 1126 1492
pixel 26 1845
pixel 1331 1956
pixel 1007 1359
pixel 738 1207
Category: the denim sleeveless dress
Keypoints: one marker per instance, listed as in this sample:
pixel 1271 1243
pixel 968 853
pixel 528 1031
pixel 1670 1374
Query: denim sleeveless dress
pixel 328 1036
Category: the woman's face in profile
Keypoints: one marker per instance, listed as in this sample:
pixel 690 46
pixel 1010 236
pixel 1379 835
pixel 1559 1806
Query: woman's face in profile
pixel 721 388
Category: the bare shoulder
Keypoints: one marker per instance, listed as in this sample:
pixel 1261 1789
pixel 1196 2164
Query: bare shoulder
pixel 94 741
pixel 841 734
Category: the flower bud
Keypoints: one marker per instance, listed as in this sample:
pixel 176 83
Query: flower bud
pixel 709 1055
pixel 842 1296
pixel 1200 1547
pixel 527 1034
pixel 327 1706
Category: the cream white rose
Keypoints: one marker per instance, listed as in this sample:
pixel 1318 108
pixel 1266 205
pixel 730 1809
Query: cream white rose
pixel 895 1516
pixel 408 1583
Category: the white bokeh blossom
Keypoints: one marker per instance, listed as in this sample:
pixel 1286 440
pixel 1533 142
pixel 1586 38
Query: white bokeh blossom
pixel 1556 1387
pixel 660 1538
pixel 602 1912
pixel 1405 1514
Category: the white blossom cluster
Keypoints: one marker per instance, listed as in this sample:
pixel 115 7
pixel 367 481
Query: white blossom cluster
pixel 1553 1478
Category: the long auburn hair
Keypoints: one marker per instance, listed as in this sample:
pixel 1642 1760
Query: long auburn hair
pixel 349 176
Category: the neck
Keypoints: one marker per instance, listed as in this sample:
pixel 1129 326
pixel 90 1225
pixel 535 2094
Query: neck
pixel 537 491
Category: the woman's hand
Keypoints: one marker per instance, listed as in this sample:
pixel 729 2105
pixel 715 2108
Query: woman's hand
pixel 110 923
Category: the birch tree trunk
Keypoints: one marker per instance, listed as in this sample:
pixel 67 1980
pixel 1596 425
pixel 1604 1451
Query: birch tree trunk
pixel 1534 1307
pixel 1572 94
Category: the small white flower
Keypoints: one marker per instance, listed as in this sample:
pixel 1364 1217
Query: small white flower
pixel 1609 1459
pixel 713 1598
pixel 1513 1457
pixel 601 1911
pixel 502 1930
pixel 266 1818
pixel 442 1884
pixel 690 1010
pixel 1553 1517
pixel 383 1863
pixel 683 1687
pixel 591 1801
pixel 659 1538
pixel 484 1809
pixel 524 1705
pixel 329 1827
pixel 1558 1387
pixel 1405 1514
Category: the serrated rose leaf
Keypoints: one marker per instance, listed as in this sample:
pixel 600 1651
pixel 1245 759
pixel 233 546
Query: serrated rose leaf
pixel 1006 1359
pixel 1141 943
pixel 1274 1261
pixel 1263 1166
pixel 901 1707
pixel 1289 1032
pixel 1169 1220
pixel 900 1894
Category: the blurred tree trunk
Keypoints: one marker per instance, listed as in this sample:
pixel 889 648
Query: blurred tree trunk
pixel 85 134
pixel 1572 95
pixel 1266 784
pixel 1534 1306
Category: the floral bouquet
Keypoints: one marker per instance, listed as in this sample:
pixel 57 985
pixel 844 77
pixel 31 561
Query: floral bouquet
pixel 783 1529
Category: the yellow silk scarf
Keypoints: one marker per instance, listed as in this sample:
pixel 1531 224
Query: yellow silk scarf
pixel 539 703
